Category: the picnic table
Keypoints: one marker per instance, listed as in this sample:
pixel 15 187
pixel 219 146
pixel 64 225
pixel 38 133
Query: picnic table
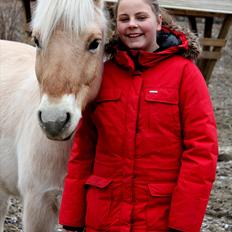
pixel 210 14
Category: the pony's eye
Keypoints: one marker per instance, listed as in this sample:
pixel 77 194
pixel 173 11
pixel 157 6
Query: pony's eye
pixel 36 41
pixel 94 45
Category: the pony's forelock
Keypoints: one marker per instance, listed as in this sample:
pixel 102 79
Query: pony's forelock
pixel 74 15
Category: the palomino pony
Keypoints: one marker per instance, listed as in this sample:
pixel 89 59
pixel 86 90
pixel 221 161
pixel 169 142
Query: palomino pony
pixel 47 87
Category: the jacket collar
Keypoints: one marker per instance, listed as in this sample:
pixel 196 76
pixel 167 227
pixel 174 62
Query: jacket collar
pixel 172 42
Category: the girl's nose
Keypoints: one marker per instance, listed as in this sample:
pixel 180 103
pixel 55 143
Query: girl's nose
pixel 133 24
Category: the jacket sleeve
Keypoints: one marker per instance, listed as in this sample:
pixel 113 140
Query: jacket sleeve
pixel 80 164
pixel 199 158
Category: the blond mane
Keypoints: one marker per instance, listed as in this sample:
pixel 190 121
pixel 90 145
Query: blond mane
pixel 73 15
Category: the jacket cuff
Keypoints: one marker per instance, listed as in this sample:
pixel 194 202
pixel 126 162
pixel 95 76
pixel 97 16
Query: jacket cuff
pixel 71 228
pixel 174 230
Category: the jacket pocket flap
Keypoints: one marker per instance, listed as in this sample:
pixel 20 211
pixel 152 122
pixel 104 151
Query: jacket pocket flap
pixel 97 181
pixel 161 189
pixel 169 96
pixel 109 95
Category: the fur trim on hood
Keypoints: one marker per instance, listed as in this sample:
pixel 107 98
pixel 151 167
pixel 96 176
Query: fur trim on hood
pixel 194 49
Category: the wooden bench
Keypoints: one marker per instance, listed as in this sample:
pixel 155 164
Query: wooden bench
pixel 27 8
pixel 209 11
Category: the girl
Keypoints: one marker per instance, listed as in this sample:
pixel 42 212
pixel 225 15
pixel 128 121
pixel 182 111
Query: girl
pixel 144 155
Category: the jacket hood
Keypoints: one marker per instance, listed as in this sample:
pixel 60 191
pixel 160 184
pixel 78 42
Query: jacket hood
pixel 172 39
pixel 192 51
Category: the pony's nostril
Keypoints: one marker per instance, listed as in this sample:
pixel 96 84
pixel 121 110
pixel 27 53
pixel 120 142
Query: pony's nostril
pixel 68 117
pixel 40 116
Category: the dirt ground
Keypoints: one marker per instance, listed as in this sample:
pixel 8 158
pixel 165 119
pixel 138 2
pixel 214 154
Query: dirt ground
pixel 219 212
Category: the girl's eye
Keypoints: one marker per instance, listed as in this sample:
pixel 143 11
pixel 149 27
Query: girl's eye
pixel 94 45
pixel 123 19
pixel 141 18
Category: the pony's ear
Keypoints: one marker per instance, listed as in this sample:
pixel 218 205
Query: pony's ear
pixel 99 3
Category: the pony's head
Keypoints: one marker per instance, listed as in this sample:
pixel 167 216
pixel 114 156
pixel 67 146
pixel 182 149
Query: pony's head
pixel 69 36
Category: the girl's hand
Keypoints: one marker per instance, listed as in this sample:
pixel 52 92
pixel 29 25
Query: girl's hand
pixel 64 230
pixel 173 230
pixel 79 229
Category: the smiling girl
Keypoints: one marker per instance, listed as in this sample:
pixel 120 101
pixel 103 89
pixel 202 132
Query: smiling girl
pixel 144 155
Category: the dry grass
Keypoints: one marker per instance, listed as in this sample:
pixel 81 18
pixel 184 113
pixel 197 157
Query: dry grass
pixel 12 21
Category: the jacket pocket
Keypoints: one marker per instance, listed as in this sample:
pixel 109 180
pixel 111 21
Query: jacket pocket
pixel 109 117
pixel 158 206
pixel 98 202
pixel 108 95
pixel 168 96
pixel 163 107
pixel 161 190
pixel 97 181
pixel 107 106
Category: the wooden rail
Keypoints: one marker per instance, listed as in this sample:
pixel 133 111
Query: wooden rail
pixel 208 10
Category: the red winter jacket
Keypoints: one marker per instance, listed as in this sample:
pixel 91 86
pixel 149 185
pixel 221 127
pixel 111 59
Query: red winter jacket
pixel 144 158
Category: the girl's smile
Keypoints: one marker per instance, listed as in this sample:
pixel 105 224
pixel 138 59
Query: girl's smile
pixel 134 35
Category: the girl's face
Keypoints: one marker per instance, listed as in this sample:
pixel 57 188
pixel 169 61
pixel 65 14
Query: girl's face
pixel 137 25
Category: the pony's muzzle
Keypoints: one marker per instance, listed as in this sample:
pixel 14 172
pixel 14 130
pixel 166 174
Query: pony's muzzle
pixel 54 124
